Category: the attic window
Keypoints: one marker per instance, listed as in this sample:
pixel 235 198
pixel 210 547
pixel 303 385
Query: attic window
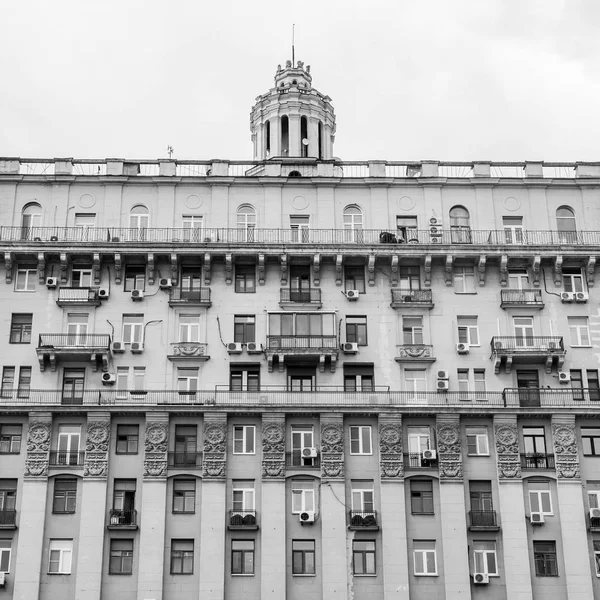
pixel 294 82
pixel 294 174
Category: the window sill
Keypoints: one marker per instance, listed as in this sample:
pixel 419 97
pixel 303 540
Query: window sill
pixel 361 453
pixel 58 573
pixel 466 293
pixel 423 514
pixel 183 512
pixel 242 574
pixel 364 574
pixel 244 453
pixel 588 346
pixel 63 512
pixel 426 575
pixel 120 574
pixel 480 455
pixel 304 574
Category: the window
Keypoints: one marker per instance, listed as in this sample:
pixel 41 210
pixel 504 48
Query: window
pixel 407 228
pixel 468 330
pixel 523 327
pixel 363 557
pixel 477 441
pixel 299 224
pixel 300 283
pixel 303 496
pixel 243 497
pixel 59 556
pixel 246 222
pixel 130 380
pixel 412 330
pixel 182 557
pixel 69 437
pixel 539 498
pixel 484 558
pixel 8 382
pixel 242 557
pixel 573 280
pixel 363 497
pixel 356 330
pixel 301 379
pixel 353 224
pixel 481 503
pixel 534 440
pixel 26 279
pixel 424 558
pixel 303 557
pixel 184 495
pixel 479 381
pixel 360 439
pixel 189 328
pixel 121 557
pixel 302 437
pixel 593 384
pixel 244 377
pixel 464 280
pixel 590 438
pixel 518 279
pixel 20 328
pixel 8 501
pixel 84 222
pixel 358 378
pixel 579 331
pixel 243 439
pixel 127 439
pixel 135 278
pixel 354 277
pixel 544 556
pixel 244 329
pixel 192 228
pixel 132 328
pixel 139 221
pixel 191 283
pixel 303 325
pixel 566 225
pixel 415 381
pixel 460 227
pixel 81 276
pixel 31 219
pixel 594 498
pixel 245 279
pixel 24 382
pixel 419 440
pixel 463 383
pixel 596 557
pixel 10 439
pixel 5 551
pixel 187 379
pixel 421 496
pixel 410 278
pixel 65 495
pixel 513 229
pixel 186 445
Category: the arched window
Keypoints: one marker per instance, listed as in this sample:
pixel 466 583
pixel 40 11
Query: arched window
pixel 460 227
pixel 246 223
pixel 285 136
pixel 139 220
pixel 267 139
pixel 565 223
pixel 353 224
pixel 31 218
pixel 303 136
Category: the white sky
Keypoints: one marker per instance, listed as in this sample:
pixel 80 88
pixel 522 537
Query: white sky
pixel 409 80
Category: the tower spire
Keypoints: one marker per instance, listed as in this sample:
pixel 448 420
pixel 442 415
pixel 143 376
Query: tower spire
pixel 293 49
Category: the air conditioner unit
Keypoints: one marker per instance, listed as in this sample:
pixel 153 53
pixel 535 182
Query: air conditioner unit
pixel 435 231
pixel 443 385
pixel 481 578
pixel 51 282
pixel 118 347
pixel 408 298
pixel 165 283
pixel 54 238
pixel 463 348
pixel 103 293
pixel 308 516
pixel 434 221
pixel 309 452
pixel 581 296
pixel 429 455
pixel 234 348
pixel 567 296
pixel 352 294
pixel 137 295
pixel 108 378
pixel 537 518
pixel 137 347
pixel 594 513
pixel 564 377
pixel 254 348
pixel 349 347
pixel 497 345
pixel 443 374
pixel 2 578
pixel 435 239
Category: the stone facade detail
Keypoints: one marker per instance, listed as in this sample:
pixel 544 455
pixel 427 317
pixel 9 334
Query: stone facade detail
pixel 215 447
pixel 448 447
pixel 38 447
pixel 332 448
pixel 565 447
pixel 273 448
pixel 155 447
pixel 96 448
pixel 507 448
pixel 391 465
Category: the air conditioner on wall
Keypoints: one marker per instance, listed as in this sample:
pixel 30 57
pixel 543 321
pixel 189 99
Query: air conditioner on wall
pixel 352 294
pixel 564 377
pixel 443 385
pixel 103 293
pixel 594 513
pixel 463 348
pixel 137 347
pixel 309 452
pixel 254 348
pixel 137 295
pixel 165 283
pixel 581 296
pixel 308 516
pixel 443 374
pixel 349 347
pixel 567 296
pixel 234 348
pixel 51 282
pixel 537 518
pixel 481 578
pixel 429 455
pixel 118 347
pixel 108 378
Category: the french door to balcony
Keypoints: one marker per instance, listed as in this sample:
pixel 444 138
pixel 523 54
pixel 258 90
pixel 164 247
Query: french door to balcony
pixel 77 327
pixel 73 384
pixel 523 327
pixel 528 383
pixel 301 439
pixel 300 284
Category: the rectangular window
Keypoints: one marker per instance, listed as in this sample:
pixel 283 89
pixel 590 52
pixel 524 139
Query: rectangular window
pixel 244 377
pixel 415 381
pixel 479 381
pixel 539 498
pixel 579 331
pixel 302 438
pixel 189 328
pixel 135 278
pixel 419 440
pixel 573 280
pixel 463 383
pixel 10 439
pixel 303 496
pixel 597 557
pixel 407 228
pixel 544 556
pixel 8 500
pixel 477 441
pixel 424 558
pixel 534 440
pixel 65 495
pixel 69 445
pixel 363 557
pixel 187 379
pixel 412 330
pixel 518 279
pixel 484 558
pixel 468 330
pixel 590 439
pixel 242 557
pixel 513 229
pixel 577 384
pixel 421 496
pixel 480 495
pixel 8 382
pixel 594 498
pixel 191 282
pixel 306 325
pixel 186 446
pixel 182 557
pixel 192 228
pixel 358 378
pixel 299 224
pixel 244 329
pixel 84 222
pixel 24 382
pixel 464 280
pixel 363 497
pixel 133 326
pixel 5 551
pixel 245 279
pixel 26 280
pixel 354 278
pixel 360 439
pixel 127 439
pixel 81 276
pixel 356 330
pixel 184 495
pixel 121 557
pixel 593 384
pixel 410 278
pixel 59 556
pixel 303 557
pixel 243 496
pixel 20 328
pixel 243 439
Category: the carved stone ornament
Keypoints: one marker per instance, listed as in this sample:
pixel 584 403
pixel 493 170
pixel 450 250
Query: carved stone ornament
pixel 391 466
pixel 38 436
pixel 507 451
pixel 97 436
pixel 214 437
pixel 450 457
pixel 273 468
pixel 332 468
pixel 565 450
pixel 213 468
pixel 273 437
pixel 36 464
pixel 155 467
pixel 332 437
pixel 448 439
pixel 416 351
pixel 188 349
pixel 390 439
pixel 95 467
pixel 564 439
pixel 156 437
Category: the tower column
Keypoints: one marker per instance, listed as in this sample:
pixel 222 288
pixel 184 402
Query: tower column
pixel 326 142
pixel 313 137
pixel 275 136
pixel 294 135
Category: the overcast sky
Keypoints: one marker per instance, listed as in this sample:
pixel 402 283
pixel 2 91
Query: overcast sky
pixel 409 80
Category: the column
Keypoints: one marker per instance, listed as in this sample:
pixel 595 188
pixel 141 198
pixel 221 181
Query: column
pixel 93 508
pixel 512 509
pixel 393 510
pixel 33 509
pixel 571 509
pixel 153 509
pixel 275 136
pixel 272 515
pixel 212 512
pixel 333 514
pixel 313 137
pixel 452 506
pixel 294 135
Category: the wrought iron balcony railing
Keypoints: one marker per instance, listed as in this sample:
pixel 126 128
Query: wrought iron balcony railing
pixel 242 519
pixel 184 460
pixel 78 296
pixel 402 298
pixel 189 296
pixel 73 341
pixel 415 460
pixel 66 459
pixel 311 296
pixel 122 518
pixel 8 518
pixel 362 519
pixel 531 298
pixel 483 519
pixel 537 461
pixel 295 459
pixel 533 344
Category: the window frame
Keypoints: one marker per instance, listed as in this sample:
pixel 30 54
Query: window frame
pixel 244 329
pixel 303 553
pixel 184 495
pixel 134 278
pixel 30 275
pixel 180 551
pixel 413 334
pixel 133 325
pixel 65 495
pixel 421 497
pixel 303 493
pixel 464 280
pixel 354 278
pixel 122 554
pixel 242 552
pixel 245 429
pixel 5 548
pixel 468 332
pixel 245 273
pixel 360 440
pixel 593 444
pixel 128 438
pixel 549 559
pixel 367 567
pixel 23 328
pixel 356 329
pixel 579 333
pixel 424 552
pixel 478 435
pixel 484 554
pixel 64 548
pixel 540 494
pixel 10 438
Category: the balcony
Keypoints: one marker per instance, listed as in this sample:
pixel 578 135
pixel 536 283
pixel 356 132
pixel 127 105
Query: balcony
pixel 61 458
pixel 122 519
pixel 408 353
pixel 295 460
pixel 242 520
pixel 78 296
pixel 319 347
pixel 415 461
pixel 537 461
pixel 551 397
pixel 8 519
pixel 594 524
pixel 195 351
pixel 73 347
pixel 521 299
pixel 190 297
pixel 184 460
pixel 298 299
pixel 363 520
pixel 547 350
pixel 483 520
pixel 412 298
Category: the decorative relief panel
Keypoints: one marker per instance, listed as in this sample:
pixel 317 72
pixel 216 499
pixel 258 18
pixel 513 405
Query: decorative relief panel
pixel 273 449
pixel 155 446
pixel 391 464
pixel 215 446
pixel 96 449
pixel 565 449
pixel 507 450
pixel 449 452
pixel 38 448
pixel 332 450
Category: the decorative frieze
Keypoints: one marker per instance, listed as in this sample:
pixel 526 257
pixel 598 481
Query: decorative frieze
pixel 273 446
pixel 338 269
pixel 395 269
pixel 96 447
pixel 507 447
pixel 427 270
pixel 332 447
pixel 565 447
pixel 449 270
pixel 391 464
pixel 206 267
pixel 316 269
pixel 38 446
pixel 535 269
pixel 215 447
pixel 558 265
pixel 155 445
pixel 41 266
pixel 448 447
pixel 8 266
pixel 371 270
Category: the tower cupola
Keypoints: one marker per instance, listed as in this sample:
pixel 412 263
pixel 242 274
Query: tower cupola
pixel 293 120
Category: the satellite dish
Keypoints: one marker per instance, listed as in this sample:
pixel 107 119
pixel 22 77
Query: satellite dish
pixel 305 141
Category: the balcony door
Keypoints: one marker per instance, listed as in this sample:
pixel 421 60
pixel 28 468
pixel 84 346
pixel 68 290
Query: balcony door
pixel 481 503
pixel 191 282
pixel 192 228
pixel 77 328
pixel 302 437
pixel 301 379
pixel 513 229
pixel 186 440
pixel 124 502
pixel 73 384
pixel 523 327
pixel 419 440
pixel 69 437
pixel 528 383
pixel 299 225
pixel 300 283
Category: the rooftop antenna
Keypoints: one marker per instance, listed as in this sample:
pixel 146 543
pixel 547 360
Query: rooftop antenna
pixel 293 51
pixel 170 151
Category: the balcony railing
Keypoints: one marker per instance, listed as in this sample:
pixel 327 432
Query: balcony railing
pixel 295 459
pixel 8 518
pixel 190 297
pixel 537 461
pixel 288 296
pixel 74 341
pixel 594 524
pixel 66 459
pixel 534 344
pixel 415 460
pixel 184 460
pixel 402 298
pixel 78 296
pixel 483 519
pixel 301 342
pixel 242 519
pixel 524 298
pixel 363 519
pixel 122 518
pixel 551 397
